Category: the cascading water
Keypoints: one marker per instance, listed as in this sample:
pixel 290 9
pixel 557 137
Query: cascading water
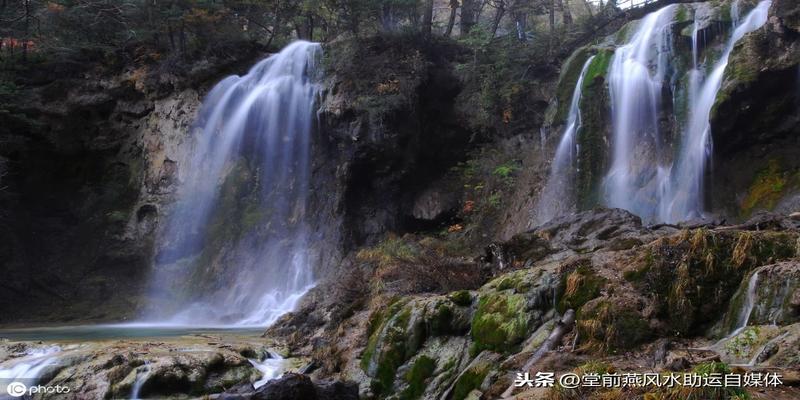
pixel 553 201
pixel 644 177
pixel 239 236
pixel 270 368
pixel 684 197
pixel 748 304
pixel 634 179
pixel 28 369
pixel 141 376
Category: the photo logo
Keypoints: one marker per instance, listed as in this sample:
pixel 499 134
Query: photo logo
pixel 16 389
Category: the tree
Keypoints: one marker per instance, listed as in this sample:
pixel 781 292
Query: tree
pixel 468 15
pixel 499 11
pixel 566 15
pixel 451 21
pixel 427 17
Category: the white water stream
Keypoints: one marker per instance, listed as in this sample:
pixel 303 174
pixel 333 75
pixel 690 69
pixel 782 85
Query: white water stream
pixel 241 229
pixel 554 200
pixel 27 369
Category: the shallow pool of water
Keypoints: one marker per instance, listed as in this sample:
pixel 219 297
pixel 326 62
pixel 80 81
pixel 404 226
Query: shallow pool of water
pixel 120 331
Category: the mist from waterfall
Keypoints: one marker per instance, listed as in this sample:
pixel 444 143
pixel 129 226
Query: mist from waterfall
pixel 236 247
pixel 559 189
pixel 645 178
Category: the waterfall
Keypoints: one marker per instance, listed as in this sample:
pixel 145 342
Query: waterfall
pixel 237 242
pixel 554 199
pixel 735 13
pixel 684 198
pixel 747 306
pixel 29 368
pixel 634 179
pixel 141 376
pixel 644 177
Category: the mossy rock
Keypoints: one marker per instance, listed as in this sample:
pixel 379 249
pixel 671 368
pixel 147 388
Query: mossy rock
pixel 474 375
pixel 509 307
pixel 500 323
pixel 703 269
pixel 598 67
pixel 578 287
pixel 570 73
pixel 768 187
pixel 610 324
pixel 422 369
pixel 397 333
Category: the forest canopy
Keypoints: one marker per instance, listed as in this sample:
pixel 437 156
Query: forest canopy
pixel 154 28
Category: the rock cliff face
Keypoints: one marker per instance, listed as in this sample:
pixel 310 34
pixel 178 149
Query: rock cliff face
pixel 93 158
pixel 756 120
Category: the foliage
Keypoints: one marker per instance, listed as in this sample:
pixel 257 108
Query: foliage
pixel 744 343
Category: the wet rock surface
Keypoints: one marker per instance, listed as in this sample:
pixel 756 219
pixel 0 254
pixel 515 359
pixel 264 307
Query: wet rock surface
pixel 634 290
pixel 174 367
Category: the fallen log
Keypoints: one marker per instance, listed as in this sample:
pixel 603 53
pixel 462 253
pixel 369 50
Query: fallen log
pixel 561 328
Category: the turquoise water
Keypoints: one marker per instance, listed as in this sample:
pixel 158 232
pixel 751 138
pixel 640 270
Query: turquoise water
pixel 122 331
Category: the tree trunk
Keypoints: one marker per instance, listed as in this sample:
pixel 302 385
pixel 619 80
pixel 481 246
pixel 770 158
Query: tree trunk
pixel 427 18
pixel 566 14
pixel 467 16
pixel 500 10
pixel 305 30
pixel 552 10
pixel 588 8
pixel 452 20
pixel 560 329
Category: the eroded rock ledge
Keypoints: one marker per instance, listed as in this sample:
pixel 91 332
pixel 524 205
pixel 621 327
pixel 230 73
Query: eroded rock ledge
pixel 634 289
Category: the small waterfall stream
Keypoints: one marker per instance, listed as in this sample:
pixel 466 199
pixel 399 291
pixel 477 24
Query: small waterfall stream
pixel 684 195
pixel 141 377
pixel 558 189
pixel 28 369
pixel 271 368
pixel 747 305
pixel 237 242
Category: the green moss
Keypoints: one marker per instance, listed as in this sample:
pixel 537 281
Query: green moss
pixel 375 328
pixel 417 376
pixel 388 348
pixel 766 190
pixel 593 144
pixel 578 288
pixel 623 34
pixel 441 320
pixel 500 322
pixel 598 67
pixel 461 298
pixel 745 342
pixel 682 14
pixel 467 382
pixel 393 354
pixel 570 74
